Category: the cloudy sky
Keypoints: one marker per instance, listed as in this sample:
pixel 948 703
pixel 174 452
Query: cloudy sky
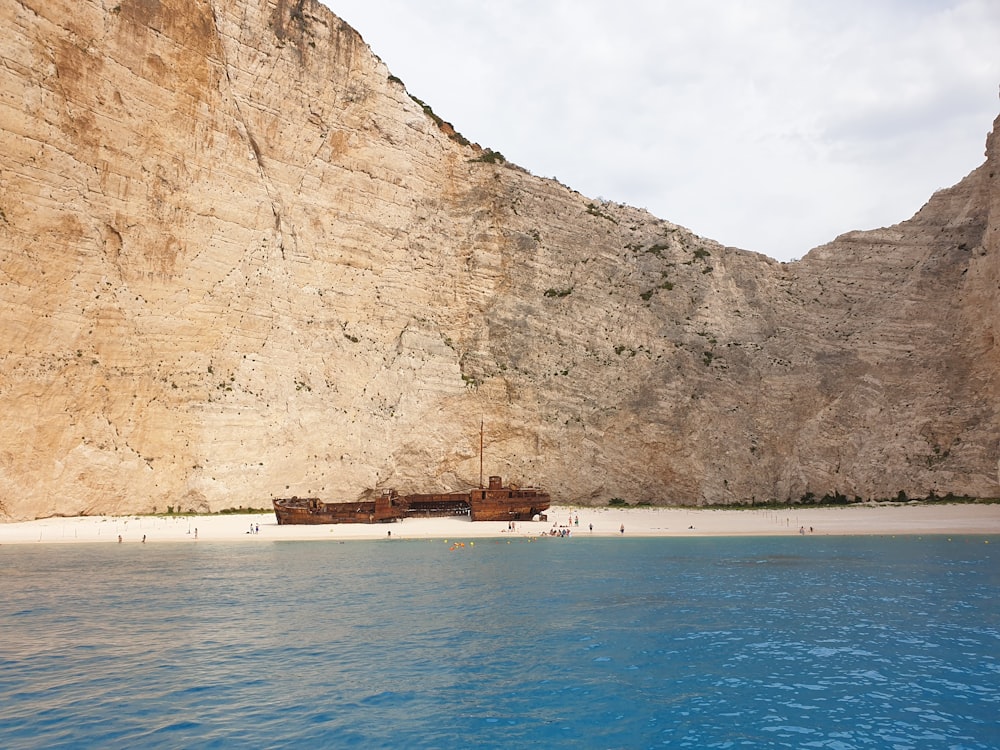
pixel 771 125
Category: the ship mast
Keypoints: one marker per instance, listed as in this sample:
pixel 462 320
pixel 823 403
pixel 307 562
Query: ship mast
pixel 480 453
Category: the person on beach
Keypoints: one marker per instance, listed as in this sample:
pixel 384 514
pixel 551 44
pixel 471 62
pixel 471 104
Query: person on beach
pixel 622 529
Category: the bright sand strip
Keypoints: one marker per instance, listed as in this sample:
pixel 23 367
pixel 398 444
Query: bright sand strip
pixel 647 522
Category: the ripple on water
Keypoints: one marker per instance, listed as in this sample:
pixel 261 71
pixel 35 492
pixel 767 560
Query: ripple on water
pixel 840 644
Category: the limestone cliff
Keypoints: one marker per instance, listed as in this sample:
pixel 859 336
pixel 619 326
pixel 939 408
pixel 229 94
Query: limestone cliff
pixel 238 261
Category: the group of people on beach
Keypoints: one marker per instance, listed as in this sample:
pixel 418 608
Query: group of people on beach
pixel 574 520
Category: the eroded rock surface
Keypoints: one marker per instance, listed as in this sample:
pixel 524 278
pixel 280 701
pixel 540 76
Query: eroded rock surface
pixel 239 261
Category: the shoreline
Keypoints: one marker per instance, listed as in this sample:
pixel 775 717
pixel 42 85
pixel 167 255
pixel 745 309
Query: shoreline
pixel 853 520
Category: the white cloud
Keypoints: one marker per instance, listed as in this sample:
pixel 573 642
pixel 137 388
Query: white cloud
pixel 772 125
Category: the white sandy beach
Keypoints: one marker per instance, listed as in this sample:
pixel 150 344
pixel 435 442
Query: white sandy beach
pixel 646 522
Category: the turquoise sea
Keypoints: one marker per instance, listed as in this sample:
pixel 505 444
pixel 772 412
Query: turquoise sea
pixel 797 642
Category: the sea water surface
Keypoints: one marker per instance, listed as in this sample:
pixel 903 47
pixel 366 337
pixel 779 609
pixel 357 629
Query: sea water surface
pixel 805 642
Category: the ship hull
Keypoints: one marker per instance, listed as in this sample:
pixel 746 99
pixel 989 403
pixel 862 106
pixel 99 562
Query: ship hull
pixel 498 503
pixel 495 503
pixel 289 511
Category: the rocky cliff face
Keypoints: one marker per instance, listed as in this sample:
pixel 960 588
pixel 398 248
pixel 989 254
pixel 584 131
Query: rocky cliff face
pixel 239 261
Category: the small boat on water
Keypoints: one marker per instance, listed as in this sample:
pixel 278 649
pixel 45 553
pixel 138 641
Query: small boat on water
pixel 492 503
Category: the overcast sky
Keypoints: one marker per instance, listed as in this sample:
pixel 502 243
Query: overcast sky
pixel 771 125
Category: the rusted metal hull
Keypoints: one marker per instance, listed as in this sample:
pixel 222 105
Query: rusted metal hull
pixel 495 503
pixel 296 510
pixel 436 505
pixel 499 503
pixel 311 510
pixel 508 504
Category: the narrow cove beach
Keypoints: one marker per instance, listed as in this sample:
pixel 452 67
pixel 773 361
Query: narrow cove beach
pixel 877 629
pixel 861 519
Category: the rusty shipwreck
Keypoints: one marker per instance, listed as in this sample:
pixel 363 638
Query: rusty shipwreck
pixel 495 502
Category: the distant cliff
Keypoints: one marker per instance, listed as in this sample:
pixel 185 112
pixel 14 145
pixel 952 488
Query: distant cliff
pixel 239 261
